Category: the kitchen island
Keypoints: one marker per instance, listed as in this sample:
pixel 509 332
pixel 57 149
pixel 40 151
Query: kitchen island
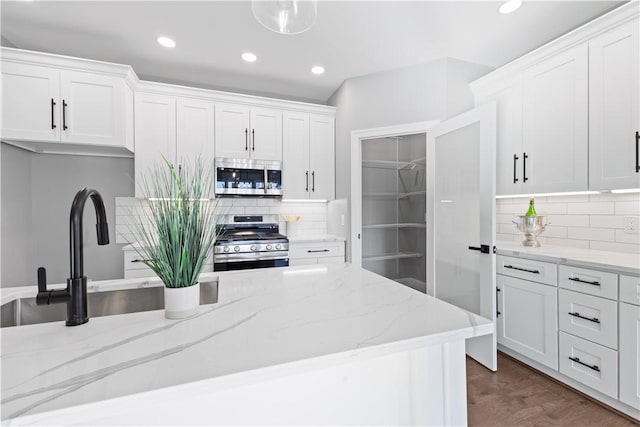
pixel 307 345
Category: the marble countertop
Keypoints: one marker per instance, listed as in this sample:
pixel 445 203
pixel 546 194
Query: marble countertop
pixel 315 238
pixel 272 320
pixel 590 258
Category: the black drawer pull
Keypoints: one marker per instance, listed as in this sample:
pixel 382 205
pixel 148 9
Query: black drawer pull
pixel 590 319
pixel 53 103
pixel 522 269
pixel 515 161
pixel 139 260
pixel 576 279
pixel 577 360
pixel 317 250
pixel 64 115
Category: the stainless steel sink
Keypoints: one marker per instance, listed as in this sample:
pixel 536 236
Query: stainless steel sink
pixel 24 311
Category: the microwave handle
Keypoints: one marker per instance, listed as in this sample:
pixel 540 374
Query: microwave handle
pixel 265 180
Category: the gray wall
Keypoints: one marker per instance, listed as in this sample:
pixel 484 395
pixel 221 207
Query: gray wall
pixel 37 191
pixel 431 91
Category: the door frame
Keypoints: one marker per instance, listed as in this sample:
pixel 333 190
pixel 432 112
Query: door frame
pixel 357 136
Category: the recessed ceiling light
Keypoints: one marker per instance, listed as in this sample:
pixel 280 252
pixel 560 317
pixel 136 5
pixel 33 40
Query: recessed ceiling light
pixel 317 70
pixel 166 42
pixel 510 6
pixel 249 57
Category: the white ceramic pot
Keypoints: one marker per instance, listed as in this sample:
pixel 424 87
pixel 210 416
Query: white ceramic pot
pixel 181 302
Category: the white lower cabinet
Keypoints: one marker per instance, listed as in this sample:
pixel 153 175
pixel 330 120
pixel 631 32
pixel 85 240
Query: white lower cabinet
pixel 320 252
pixel 589 317
pixel 527 322
pixel 629 354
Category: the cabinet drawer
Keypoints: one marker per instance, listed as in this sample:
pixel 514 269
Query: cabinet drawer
pixel 591 364
pixel 536 271
pixel 589 317
pixel 591 282
pixel 132 261
pixel 316 250
pixel 630 289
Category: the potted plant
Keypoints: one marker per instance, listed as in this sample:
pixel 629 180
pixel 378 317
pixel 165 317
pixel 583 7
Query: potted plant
pixel 177 232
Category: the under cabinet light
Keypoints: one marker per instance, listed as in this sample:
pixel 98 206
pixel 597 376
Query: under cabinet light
pixel 570 193
pixel 303 201
pixel 626 190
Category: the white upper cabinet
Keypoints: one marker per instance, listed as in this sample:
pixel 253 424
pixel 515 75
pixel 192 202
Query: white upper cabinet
pixel 195 131
pixel 50 105
pixel 243 132
pixel 31 102
pixel 308 156
pixel 555 123
pixel 614 116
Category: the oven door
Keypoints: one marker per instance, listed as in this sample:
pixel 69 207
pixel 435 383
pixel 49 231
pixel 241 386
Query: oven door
pixel 250 264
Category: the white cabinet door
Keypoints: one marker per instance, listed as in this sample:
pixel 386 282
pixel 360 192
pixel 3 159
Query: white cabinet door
pixel 30 102
pixel 529 319
pixel 322 157
pixel 232 131
pixel 629 355
pixel 93 110
pixel 295 155
pixel 614 116
pixel 266 134
pixel 555 123
pixel 195 131
pixel 509 153
pixel 155 134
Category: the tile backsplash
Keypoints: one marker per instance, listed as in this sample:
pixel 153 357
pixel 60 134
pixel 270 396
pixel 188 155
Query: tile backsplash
pixel 313 216
pixel 588 221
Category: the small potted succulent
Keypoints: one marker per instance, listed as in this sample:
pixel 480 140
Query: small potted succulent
pixel 177 232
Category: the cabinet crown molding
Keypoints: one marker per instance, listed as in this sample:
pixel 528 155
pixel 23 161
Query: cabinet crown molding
pixel 619 16
pixel 70 63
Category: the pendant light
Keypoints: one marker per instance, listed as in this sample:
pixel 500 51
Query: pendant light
pixel 286 16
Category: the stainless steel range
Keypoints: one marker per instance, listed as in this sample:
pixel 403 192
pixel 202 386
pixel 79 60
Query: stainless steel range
pixel 249 243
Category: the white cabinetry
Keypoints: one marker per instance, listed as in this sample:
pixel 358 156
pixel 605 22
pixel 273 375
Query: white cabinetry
pixel 320 252
pixel 555 123
pixel 527 322
pixel 629 354
pixel 308 156
pixel 243 132
pixel 178 129
pixel 65 107
pixel 614 116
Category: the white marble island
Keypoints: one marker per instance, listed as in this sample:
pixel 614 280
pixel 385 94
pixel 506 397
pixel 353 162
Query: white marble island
pixel 310 345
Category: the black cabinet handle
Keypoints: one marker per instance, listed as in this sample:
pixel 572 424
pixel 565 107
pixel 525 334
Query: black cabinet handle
pixel 246 139
pixel 637 151
pixel 311 251
pixel 53 103
pixel 497 311
pixel 522 269
pixel 253 140
pixel 524 167
pixel 313 181
pixel 577 360
pixel 485 249
pixel 139 260
pixel 64 115
pixel 515 161
pixel 307 187
pixel 590 319
pixel 577 279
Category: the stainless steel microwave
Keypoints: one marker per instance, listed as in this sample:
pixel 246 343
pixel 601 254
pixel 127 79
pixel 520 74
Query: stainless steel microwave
pixel 248 177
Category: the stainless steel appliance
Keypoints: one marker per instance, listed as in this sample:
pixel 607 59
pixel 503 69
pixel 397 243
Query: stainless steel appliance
pixel 249 243
pixel 248 177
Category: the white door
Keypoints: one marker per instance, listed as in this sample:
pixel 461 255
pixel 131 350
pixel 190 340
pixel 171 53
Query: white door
pixel 295 155
pixel 630 354
pixel 266 134
pixel 30 102
pixel 614 115
pixel 528 319
pixel 232 131
pixel 321 160
pixel 555 123
pixel 461 161
pixel 155 135
pixel 93 108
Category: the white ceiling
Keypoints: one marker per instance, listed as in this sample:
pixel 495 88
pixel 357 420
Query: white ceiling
pixel 349 39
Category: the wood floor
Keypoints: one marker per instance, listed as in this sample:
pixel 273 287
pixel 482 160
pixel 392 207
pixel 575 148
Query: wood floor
pixel 519 396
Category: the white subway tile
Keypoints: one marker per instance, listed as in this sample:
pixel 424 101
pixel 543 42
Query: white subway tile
pixel 623 237
pixel 572 243
pixel 551 208
pixel 615 197
pixel 579 198
pixel 256 210
pixel 504 218
pixel 590 233
pixel 507 229
pixel 601 208
pixel 615 247
pixel 504 237
pixel 628 208
pixel 606 221
pixel 569 220
pixel 555 231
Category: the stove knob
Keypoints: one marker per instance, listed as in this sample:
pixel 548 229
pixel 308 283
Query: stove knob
pixel 254 248
pixel 237 249
pixel 226 249
pixel 278 246
pixel 269 247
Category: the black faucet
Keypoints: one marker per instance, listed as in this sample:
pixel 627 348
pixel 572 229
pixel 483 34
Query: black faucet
pixel 75 295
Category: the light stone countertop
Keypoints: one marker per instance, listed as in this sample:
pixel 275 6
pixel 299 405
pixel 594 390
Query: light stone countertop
pixel 272 320
pixel 588 258
pixel 312 238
